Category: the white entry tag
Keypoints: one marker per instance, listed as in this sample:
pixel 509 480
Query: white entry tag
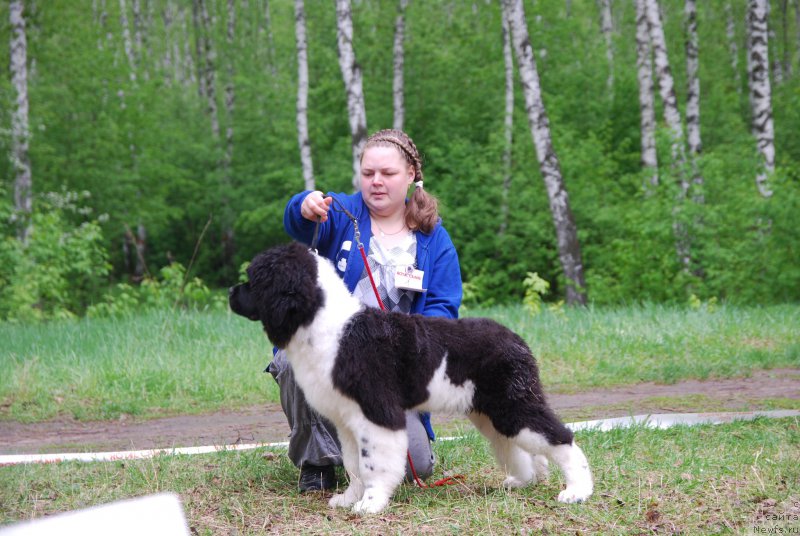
pixel 409 279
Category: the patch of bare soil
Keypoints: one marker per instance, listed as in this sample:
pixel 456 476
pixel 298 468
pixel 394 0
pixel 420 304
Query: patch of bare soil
pixel 266 423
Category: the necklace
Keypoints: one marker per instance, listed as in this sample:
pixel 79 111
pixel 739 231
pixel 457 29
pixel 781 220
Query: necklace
pixel 384 233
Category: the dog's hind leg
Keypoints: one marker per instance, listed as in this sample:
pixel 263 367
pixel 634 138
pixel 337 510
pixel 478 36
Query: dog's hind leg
pixel 560 447
pixel 517 463
pixel 572 461
pixel 355 489
pixel 382 463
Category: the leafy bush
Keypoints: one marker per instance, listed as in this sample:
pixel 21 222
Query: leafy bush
pixel 60 268
pixel 170 290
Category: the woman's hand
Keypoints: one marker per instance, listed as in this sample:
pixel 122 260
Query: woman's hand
pixel 316 206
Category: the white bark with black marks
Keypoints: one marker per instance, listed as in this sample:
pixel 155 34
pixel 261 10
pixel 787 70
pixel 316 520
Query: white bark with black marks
pixel 666 85
pixel 398 85
pixel 351 73
pixel 566 232
pixel 508 123
pixel 693 81
pixel 647 109
pixel 760 90
pixel 302 95
pixel 20 131
pixel 607 29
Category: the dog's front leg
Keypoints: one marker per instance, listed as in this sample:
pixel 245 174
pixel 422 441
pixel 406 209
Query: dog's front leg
pixel 382 463
pixel 355 490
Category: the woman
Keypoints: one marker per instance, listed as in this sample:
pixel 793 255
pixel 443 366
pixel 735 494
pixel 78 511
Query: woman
pixel 401 234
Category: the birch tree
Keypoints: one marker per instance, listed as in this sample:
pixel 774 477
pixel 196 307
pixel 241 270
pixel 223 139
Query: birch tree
pixel 199 49
pixel 351 73
pixel 644 69
pixel 508 123
pixel 127 41
pixel 209 71
pixel 228 239
pixel 607 29
pixel 672 118
pixel 693 97
pixel 566 232
pixel 302 95
pixel 666 85
pixel 760 90
pixel 733 47
pixel 398 89
pixel 693 81
pixel 20 133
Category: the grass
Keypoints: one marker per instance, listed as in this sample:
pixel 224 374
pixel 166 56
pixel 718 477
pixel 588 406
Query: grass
pixel 701 480
pixel 178 362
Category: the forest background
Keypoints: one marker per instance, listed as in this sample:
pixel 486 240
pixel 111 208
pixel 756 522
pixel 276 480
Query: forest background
pixel 163 136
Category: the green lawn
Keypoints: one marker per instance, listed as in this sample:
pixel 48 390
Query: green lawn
pixel 703 480
pixel 172 362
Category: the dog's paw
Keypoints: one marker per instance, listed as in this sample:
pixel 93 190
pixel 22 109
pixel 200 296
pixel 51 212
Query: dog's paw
pixel 341 500
pixel 574 494
pixel 370 505
pixel 513 482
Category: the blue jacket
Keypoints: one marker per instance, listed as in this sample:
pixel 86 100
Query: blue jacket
pixel 436 254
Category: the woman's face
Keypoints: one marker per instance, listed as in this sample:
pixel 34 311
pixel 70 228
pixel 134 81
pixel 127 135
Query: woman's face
pixel 385 178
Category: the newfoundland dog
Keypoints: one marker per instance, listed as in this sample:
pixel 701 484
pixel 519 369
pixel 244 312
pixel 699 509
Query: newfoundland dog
pixel 362 368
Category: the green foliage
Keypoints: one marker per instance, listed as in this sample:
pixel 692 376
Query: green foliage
pixel 169 291
pixel 62 265
pixel 535 289
pixel 139 139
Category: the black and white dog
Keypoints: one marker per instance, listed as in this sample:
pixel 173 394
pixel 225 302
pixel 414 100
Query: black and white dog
pixel 362 368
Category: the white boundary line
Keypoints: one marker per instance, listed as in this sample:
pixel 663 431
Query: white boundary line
pixel 660 421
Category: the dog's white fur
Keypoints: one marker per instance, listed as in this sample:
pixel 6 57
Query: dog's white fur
pixel 377 469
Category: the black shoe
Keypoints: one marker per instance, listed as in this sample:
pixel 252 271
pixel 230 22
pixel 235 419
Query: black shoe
pixel 317 478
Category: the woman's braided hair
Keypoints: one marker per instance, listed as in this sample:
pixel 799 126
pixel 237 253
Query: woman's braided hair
pixel 422 208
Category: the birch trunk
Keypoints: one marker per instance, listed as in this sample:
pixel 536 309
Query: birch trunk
pixel 607 29
pixel 399 60
pixel 351 73
pixel 566 231
pixel 760 90
pixel 693 98
pixel 230 89
pixel 199 49
pixel 302 95
pixel 228 238
pixel 209 73
pixel 126 39
pixel 20 132
pixel 508 59
pixel 666 85
pixel 644 66
pixel 672 117
pixel 733 47
pixel 693 82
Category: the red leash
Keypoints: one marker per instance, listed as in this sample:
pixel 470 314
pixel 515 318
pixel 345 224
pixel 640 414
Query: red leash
pixel 357 234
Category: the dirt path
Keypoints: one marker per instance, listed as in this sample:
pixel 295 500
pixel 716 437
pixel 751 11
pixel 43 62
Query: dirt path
pixel 266 423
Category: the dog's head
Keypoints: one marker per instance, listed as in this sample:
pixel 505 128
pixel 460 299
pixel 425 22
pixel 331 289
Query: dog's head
pixel 282 291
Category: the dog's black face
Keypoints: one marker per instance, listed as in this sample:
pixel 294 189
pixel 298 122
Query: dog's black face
pixel 282 291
